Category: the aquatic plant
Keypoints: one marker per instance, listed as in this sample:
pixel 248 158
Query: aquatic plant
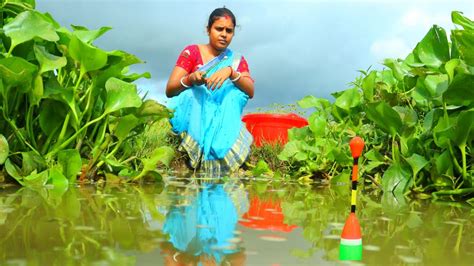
pixel 416 116
pixel 67 106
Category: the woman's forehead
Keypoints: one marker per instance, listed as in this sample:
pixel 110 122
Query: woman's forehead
pixel 224 21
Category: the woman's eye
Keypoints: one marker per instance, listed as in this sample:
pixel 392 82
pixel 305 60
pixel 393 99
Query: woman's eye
pixel 229 30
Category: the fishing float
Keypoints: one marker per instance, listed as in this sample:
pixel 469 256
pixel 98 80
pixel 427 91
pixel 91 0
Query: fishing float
pixel 351 237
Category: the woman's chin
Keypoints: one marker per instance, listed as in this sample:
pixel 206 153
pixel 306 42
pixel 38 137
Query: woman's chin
pixel 220 47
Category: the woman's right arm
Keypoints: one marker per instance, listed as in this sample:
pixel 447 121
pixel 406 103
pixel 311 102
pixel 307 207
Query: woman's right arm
pixel 179 78
pixel 174 86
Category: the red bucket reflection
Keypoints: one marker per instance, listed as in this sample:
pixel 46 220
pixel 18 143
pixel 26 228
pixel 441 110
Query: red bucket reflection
pixel 265 215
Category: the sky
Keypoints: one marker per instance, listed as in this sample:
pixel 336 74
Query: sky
pixel 294 48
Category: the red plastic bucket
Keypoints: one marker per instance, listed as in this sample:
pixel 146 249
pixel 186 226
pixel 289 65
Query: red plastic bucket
pixel 272 128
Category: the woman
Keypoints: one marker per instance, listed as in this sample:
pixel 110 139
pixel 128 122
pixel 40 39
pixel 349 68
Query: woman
pixel 210 86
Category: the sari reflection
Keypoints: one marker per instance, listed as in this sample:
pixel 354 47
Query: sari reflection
pixel 203 232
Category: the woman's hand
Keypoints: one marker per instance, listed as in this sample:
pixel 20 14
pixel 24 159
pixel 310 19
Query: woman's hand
pixel 196 78
pixel 215 81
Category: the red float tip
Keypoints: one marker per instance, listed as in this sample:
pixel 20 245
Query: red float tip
pixel 357 145
pixel 351 228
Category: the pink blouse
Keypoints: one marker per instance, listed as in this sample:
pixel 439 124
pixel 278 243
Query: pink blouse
pixel 190 60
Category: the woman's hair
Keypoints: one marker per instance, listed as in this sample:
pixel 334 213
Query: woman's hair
pixel 218 13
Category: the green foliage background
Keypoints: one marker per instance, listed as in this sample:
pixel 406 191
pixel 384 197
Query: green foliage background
pixel 68 107
pixel 416 117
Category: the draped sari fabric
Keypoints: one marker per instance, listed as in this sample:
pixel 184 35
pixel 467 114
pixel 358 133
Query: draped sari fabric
pixel 209 122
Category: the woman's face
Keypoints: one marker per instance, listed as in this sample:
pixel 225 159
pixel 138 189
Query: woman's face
pixel 221 33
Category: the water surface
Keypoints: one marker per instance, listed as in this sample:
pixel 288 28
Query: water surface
pixel 199 222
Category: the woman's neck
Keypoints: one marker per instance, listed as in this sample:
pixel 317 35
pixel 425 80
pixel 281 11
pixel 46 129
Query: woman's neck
pixel 212 50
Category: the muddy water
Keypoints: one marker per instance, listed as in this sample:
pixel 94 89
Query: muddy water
pixel 203 222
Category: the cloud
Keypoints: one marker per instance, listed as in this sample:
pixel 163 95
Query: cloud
pixel 390 48
pixel 410 27
pixel 294 48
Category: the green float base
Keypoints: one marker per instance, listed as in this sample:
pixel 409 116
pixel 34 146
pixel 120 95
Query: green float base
pixel 349 252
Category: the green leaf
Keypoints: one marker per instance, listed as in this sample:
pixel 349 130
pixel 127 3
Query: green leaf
pixel 348 99
pixel 36 180
pixel 368 86
pixel 464 129
pixel 120 95
pixel 464 44
pixel 117 63
pixel 260 168
pixel 398 71
pixel 134 76
pixel 51 116
pixel 436 84
pixel 301 156
pixel 443 132
pixel 461 20
pixel 290 149
pixel 460 90
pixel 13 171
pixel 431 118
pixel 71 163
pixel 4 149
pixel 32 162
pixel 53 90
pixel 38 90
pixel 375 159
pixel 88 36
pixel 407 115
pixel 412 61
pixel 152 108
pixel 433 50
pixel 89 57
pixel 16 71
pixel 343 178
pixel 48 61
pixel 443 163
pixel 385 117
pixel 313 102
pixel 450 68
pixel 417 162
pixel 124 126
pixel 29 25
pixel 57 178
pixel 162 154
pixel 317 124
pixel 299 133
pixel 395 179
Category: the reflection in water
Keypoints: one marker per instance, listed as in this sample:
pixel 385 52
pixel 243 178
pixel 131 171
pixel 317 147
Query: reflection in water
pixel 204 229
pixel 83 225
pixel 265 214
pixel 184 223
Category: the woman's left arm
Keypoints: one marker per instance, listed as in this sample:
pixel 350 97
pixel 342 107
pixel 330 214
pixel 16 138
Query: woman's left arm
pixel 244 82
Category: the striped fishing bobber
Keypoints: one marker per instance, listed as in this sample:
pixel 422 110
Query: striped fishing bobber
pixel 351 240
pixel 355 173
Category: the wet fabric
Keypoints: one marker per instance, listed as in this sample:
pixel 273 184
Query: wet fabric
pixel 209 122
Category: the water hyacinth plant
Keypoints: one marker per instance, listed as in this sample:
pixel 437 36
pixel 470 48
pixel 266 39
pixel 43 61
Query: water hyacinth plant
pixel 417 116
pixel 68 107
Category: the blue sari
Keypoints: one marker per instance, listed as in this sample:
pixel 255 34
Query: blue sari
pixel 209 122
